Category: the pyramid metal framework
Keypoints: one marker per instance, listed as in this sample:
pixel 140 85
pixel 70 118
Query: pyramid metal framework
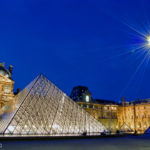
pixel 125 128
pixel 44 110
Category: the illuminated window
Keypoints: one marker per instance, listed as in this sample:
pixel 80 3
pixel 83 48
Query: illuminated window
pixel 5 107
pixel 105 108
pixel 7 89
pixel 6 98
pixel 113 108
pixel 87 98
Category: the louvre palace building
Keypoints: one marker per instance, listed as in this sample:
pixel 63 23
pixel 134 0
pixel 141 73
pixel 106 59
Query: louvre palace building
pixel 41 108
pixel 128 117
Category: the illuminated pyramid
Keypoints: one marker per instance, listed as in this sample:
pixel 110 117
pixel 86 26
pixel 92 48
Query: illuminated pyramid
pixel 44 110
pixel 125 128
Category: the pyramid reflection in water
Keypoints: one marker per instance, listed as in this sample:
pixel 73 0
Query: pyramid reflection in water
pixel 43 109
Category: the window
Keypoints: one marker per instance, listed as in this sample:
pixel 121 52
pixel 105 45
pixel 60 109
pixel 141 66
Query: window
pixel 6 89
pixel 6 98
pixel 84 106
pixel 87 98
pixel 105 108
pixel 4 108
pixel 113 108
pixel 90 106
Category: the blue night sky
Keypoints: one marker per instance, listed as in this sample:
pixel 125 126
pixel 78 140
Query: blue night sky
pixel 95 43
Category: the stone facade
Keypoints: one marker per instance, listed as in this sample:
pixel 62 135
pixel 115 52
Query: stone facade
pixel 105 113
pixel 131 117
pixel 7 97
pixel 127 117
pixel 135 115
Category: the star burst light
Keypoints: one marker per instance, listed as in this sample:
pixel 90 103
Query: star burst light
pixel 148 40
pixel 141 50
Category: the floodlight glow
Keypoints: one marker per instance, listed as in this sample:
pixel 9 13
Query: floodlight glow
pixel 148 40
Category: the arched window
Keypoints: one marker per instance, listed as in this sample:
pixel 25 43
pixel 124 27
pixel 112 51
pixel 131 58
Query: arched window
pixel 6 89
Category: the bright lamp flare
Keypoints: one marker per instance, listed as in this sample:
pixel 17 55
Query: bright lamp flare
pixel 148 40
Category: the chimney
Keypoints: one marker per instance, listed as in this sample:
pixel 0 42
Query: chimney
pixel 123 101
pixel 10 69
pixel 2 64
pixel 138 99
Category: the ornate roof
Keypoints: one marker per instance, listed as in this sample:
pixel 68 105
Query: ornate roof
pixel 5 72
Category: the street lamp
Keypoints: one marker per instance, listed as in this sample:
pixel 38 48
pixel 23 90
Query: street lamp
pixel 148 40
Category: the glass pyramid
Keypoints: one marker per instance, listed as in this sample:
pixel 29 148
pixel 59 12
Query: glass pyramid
pixel 44 110
pixel 125 128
